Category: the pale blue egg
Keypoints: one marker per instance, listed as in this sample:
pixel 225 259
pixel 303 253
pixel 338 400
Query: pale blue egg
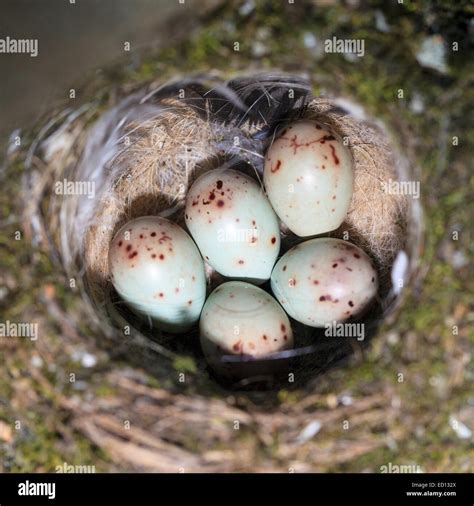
pixel 157 270
pixel 233 225
pixel 324 280
pixel 242 319
pixel 309 178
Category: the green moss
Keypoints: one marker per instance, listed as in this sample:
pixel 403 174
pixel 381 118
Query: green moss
pixel 36 448
pixel 185 364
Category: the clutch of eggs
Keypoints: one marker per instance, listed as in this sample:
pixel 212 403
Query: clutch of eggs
pixel 158 271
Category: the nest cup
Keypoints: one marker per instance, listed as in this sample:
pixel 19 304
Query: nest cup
pixel 142 155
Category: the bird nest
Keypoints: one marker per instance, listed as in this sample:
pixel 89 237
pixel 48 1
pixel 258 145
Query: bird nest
pixel 139 158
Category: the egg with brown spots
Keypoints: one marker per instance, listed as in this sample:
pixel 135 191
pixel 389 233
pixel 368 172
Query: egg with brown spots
pixel 324 280
pixel 157 270
pixel 233 224
pixel 308 177
pixel 241 319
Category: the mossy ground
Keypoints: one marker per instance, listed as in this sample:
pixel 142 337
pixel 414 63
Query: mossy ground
pixel 424 357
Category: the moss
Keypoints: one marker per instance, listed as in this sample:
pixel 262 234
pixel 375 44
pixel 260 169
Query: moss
pixel 185 364
pixel 371 461
pixel 36 449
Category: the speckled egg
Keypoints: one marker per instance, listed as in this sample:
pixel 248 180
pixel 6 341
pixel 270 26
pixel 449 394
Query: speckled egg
pixel 233 224
pixel 324 280
pixel 308 177
pixel 241 319
pixel 157 270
